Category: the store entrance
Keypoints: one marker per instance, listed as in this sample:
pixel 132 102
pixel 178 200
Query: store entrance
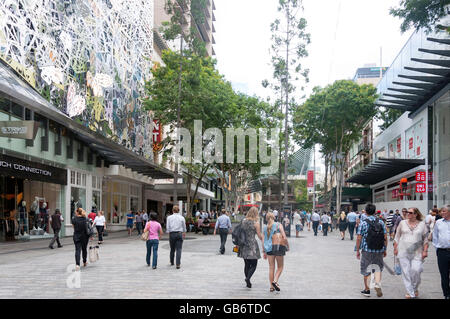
pixel 13 217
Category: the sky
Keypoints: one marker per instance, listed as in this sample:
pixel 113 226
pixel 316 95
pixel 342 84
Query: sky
pixel 345 35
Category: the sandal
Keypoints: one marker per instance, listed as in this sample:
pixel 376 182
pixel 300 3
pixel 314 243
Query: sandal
pixel 276 286
pixel 272 289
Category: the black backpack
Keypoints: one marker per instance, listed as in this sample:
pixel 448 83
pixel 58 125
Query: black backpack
pixel 375 235
pixel 238 235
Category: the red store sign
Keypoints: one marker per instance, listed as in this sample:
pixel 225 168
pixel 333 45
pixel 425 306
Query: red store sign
pixel 421 176
pixel 421 188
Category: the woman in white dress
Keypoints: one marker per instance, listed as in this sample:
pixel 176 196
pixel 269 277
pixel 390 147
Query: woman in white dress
pixel 411 248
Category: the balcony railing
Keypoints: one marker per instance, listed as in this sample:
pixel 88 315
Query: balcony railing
pixel 363 148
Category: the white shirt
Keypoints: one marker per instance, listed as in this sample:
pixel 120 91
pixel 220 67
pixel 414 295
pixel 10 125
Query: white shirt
pixel 197 214
pixel 297 219
pixel 176 223
pixel 325 219
pixel 99 221
pixel 441 234
pixel 315 217
pixel 275 213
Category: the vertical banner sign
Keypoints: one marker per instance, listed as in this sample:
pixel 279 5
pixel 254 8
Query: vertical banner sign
pixel 310 181
pixel 399 145
pixel 157 146
pixel 286 221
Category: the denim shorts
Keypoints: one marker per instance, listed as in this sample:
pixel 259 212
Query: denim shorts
pixel 298 227
pixel 371 262
pixel 129 226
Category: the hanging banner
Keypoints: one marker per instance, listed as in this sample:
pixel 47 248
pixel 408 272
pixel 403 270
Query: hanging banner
pixel 310 181
pixel 157 136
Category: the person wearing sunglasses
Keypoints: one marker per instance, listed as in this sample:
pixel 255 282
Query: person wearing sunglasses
pixel 411 248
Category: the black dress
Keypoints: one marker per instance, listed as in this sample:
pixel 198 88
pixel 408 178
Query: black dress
pixel 80 238
pixel 342 224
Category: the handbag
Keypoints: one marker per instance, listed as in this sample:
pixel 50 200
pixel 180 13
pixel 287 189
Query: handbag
pixel 145 235
pixel 278 242
pixel 89 229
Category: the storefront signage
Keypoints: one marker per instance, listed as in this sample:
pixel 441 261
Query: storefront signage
pixel 310 180
pixel 157 136
pixel 19 129
pixel 421 176
pixel 411 142
pixel 421 188
pixel 399 145
pixel 12 166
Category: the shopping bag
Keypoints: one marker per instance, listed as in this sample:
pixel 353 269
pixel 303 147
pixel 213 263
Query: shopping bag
pixel 92 254
pixel 397 268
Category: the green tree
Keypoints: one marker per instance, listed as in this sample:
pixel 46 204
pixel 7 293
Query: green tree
pixel 421 14
pixel 289 41
pixel 388 117
pixel 206 96
pixel 334 118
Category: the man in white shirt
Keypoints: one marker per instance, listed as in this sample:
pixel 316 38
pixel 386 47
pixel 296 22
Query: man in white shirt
pixel 315 218
pixel 325 223
pixel 441 241
pixel 297 223
pixel 275 214
pixel 176 227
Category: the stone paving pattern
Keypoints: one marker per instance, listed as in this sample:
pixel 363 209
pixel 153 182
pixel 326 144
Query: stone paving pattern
pixel 315 268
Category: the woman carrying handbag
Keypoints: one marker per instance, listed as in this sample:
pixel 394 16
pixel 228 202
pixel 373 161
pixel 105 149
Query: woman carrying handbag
pixel 275 247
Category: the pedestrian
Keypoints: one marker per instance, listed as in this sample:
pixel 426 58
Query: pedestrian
pixel 55 222
pixel 342 222
pixel 274 249
pixel 206 225
pixel 315 218
pixel 399 219
pixel 144 217
pixel 155 234
pixel 100 224
pixel 130 221
pixel 223 223
pixel 297 223
pixel 275 214
pixel 351 218
pixel 390 224
pixel 80 236
pixel 176 227
pixel 430 220
pixel 139 225
pixel 411 248
pixel 308 220
pixel 372 241
pixel 249 251
pixel 441 241
pixel 325 222
pixel 92 216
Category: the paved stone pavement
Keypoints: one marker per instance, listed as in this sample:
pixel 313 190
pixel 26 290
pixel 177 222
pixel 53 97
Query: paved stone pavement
pixel 315 268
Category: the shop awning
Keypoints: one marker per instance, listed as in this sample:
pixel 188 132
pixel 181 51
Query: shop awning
pixel 420 70
pixel 17 90
pixel 383 168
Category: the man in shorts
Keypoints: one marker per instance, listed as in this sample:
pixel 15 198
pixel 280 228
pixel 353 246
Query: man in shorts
pixel 371 259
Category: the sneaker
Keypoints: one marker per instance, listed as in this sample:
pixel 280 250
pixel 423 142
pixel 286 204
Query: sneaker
pixel 378 290
pixel 153 267
pixel 366 292
pixel 51 247
pixel 178 266
pixel 77 268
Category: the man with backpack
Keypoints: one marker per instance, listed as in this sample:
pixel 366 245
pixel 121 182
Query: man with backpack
pixel 372 241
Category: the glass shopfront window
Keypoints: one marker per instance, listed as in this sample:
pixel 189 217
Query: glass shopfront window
pixel 119 199
pixel 441 147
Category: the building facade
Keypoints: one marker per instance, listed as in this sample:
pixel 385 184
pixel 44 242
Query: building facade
pixel 410 158
pixel 73 129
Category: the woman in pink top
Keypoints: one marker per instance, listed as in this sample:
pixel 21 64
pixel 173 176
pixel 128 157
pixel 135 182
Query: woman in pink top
pixel 155 234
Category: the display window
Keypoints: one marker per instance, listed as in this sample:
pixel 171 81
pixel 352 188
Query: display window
pixel 26 207
pixel 118 199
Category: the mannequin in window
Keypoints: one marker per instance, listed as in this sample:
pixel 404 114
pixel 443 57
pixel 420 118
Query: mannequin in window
pixel 34 211
pixel 23 217
pixel 43 214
